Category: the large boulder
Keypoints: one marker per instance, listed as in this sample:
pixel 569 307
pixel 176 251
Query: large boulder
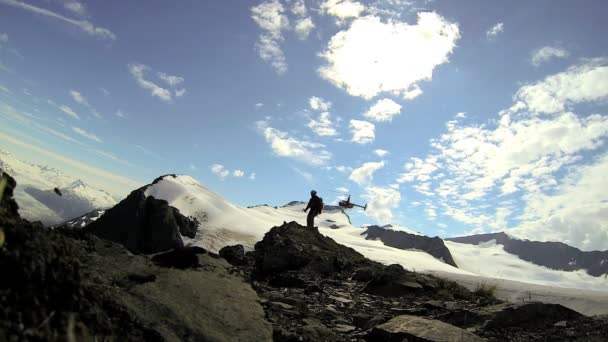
pixel 144 224
pixel 293 247
pixel 413 328
pixel 402 240
pixel 527 315
pixel 395 281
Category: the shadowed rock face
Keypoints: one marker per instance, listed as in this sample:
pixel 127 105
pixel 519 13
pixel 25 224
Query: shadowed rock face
pixel 554 255
pixel 402 240
pixel 144 224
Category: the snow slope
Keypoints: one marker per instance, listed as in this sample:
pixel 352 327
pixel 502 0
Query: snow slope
pixel 223 223
pixel 36 198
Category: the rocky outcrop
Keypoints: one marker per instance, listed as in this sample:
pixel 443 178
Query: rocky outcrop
pixel 412 328
pixel 402 240
pixel 554 255
pixel 67 284
pixel 144 224
pixel 292 247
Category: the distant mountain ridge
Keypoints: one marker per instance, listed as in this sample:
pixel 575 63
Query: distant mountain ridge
pixel 554 255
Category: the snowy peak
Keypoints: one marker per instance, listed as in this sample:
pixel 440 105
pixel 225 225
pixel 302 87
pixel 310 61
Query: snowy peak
pixel 77 184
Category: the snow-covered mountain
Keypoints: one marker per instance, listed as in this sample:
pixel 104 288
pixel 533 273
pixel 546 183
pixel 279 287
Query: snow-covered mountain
pixel 36 196
pixel 222 223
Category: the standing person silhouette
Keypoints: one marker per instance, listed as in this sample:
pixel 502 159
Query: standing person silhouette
pixel 315 204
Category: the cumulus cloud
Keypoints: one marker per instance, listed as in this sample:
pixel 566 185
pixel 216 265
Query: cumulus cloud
pixel 78 98
pixel 319 104
pixel 303 28
pixel 547 53
pixel 380 153
pixel 323 126
pixel 83 25
pixel 537 172
pixel 365 174
pixel 220 171
pixel 587 82
pixel 363 131
pixel 383 110
pixel 86 134
pixel 495 30
pixel 138 71
pixel 270 17
pixel 238 173
pixel 342 9
pixel 372 57
pixel 69 111
pixel 380 203
pixel 285 146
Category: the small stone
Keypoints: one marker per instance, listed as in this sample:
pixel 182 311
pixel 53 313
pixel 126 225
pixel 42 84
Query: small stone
pixel 561 324
pixel 344 328
pixel 281 306
pixel 340 299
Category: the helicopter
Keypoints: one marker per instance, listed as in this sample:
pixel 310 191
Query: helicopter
pixel 346 204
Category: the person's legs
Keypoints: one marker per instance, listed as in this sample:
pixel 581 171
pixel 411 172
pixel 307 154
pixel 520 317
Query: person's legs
pixel 310 219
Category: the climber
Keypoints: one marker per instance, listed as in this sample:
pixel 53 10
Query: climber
pixel 315 204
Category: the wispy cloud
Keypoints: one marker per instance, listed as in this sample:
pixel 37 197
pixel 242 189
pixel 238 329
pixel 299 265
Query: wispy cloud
pixel 270 17
pixel 78 98
pixel 86 134
pixel 323 126
pixel 69 111
pixel 547 53
pixel 365 173
pixel 495 30
pixel 138 71
pixel 285 146
pixel 84 25
pixel 113 157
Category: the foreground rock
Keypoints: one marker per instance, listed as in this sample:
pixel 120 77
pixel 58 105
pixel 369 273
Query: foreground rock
pixel 144 224
pixel 313 289
pixel 70 285
pixel 412 328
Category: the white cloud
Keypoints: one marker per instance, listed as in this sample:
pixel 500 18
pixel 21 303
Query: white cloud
pixel 342 9
pixel 381 201
pixel 259 105
pixel 587 82
pixel 342 189
pixel 495 30
pixel 75 7
pixel 461 115
pixel 372 57
pixel 220 171
pixel 238 173
pixel 365 173
pixel 298 8
pixel 576 213
pixel 86 134
pixel 319 104
pixel 380 153
pixel 343 169
pixel 113 157
pixel 270 17
pixel 69 111
pixel 84 25
pixel 252 176
pixel 383 110
pixel 285 146
pixel 546 53
pixel 323 126
pixel 78 98
pixel 138 70
pixel 303 28
pixel 120 114
pixel 104 91
pixel 3 38
pixel 171 80
pixel 363 131
pixel 306 175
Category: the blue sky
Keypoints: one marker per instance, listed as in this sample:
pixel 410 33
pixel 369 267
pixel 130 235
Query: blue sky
pixel 447 117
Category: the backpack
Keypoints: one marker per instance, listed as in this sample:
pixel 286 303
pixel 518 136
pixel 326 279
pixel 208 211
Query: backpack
pixel 320 204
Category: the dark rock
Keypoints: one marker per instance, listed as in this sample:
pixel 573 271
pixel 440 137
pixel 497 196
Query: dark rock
pixel 554 255
pixel 461 318
pixel 314 330
pixel 412 328
pixel 182 258
pixel 402 240
pixel 526 315
pixel 288 279
pixel 393 281
pixel 365 274
pixel 292 247
pixel 144 224
pixel 313 288
pixel 235 255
